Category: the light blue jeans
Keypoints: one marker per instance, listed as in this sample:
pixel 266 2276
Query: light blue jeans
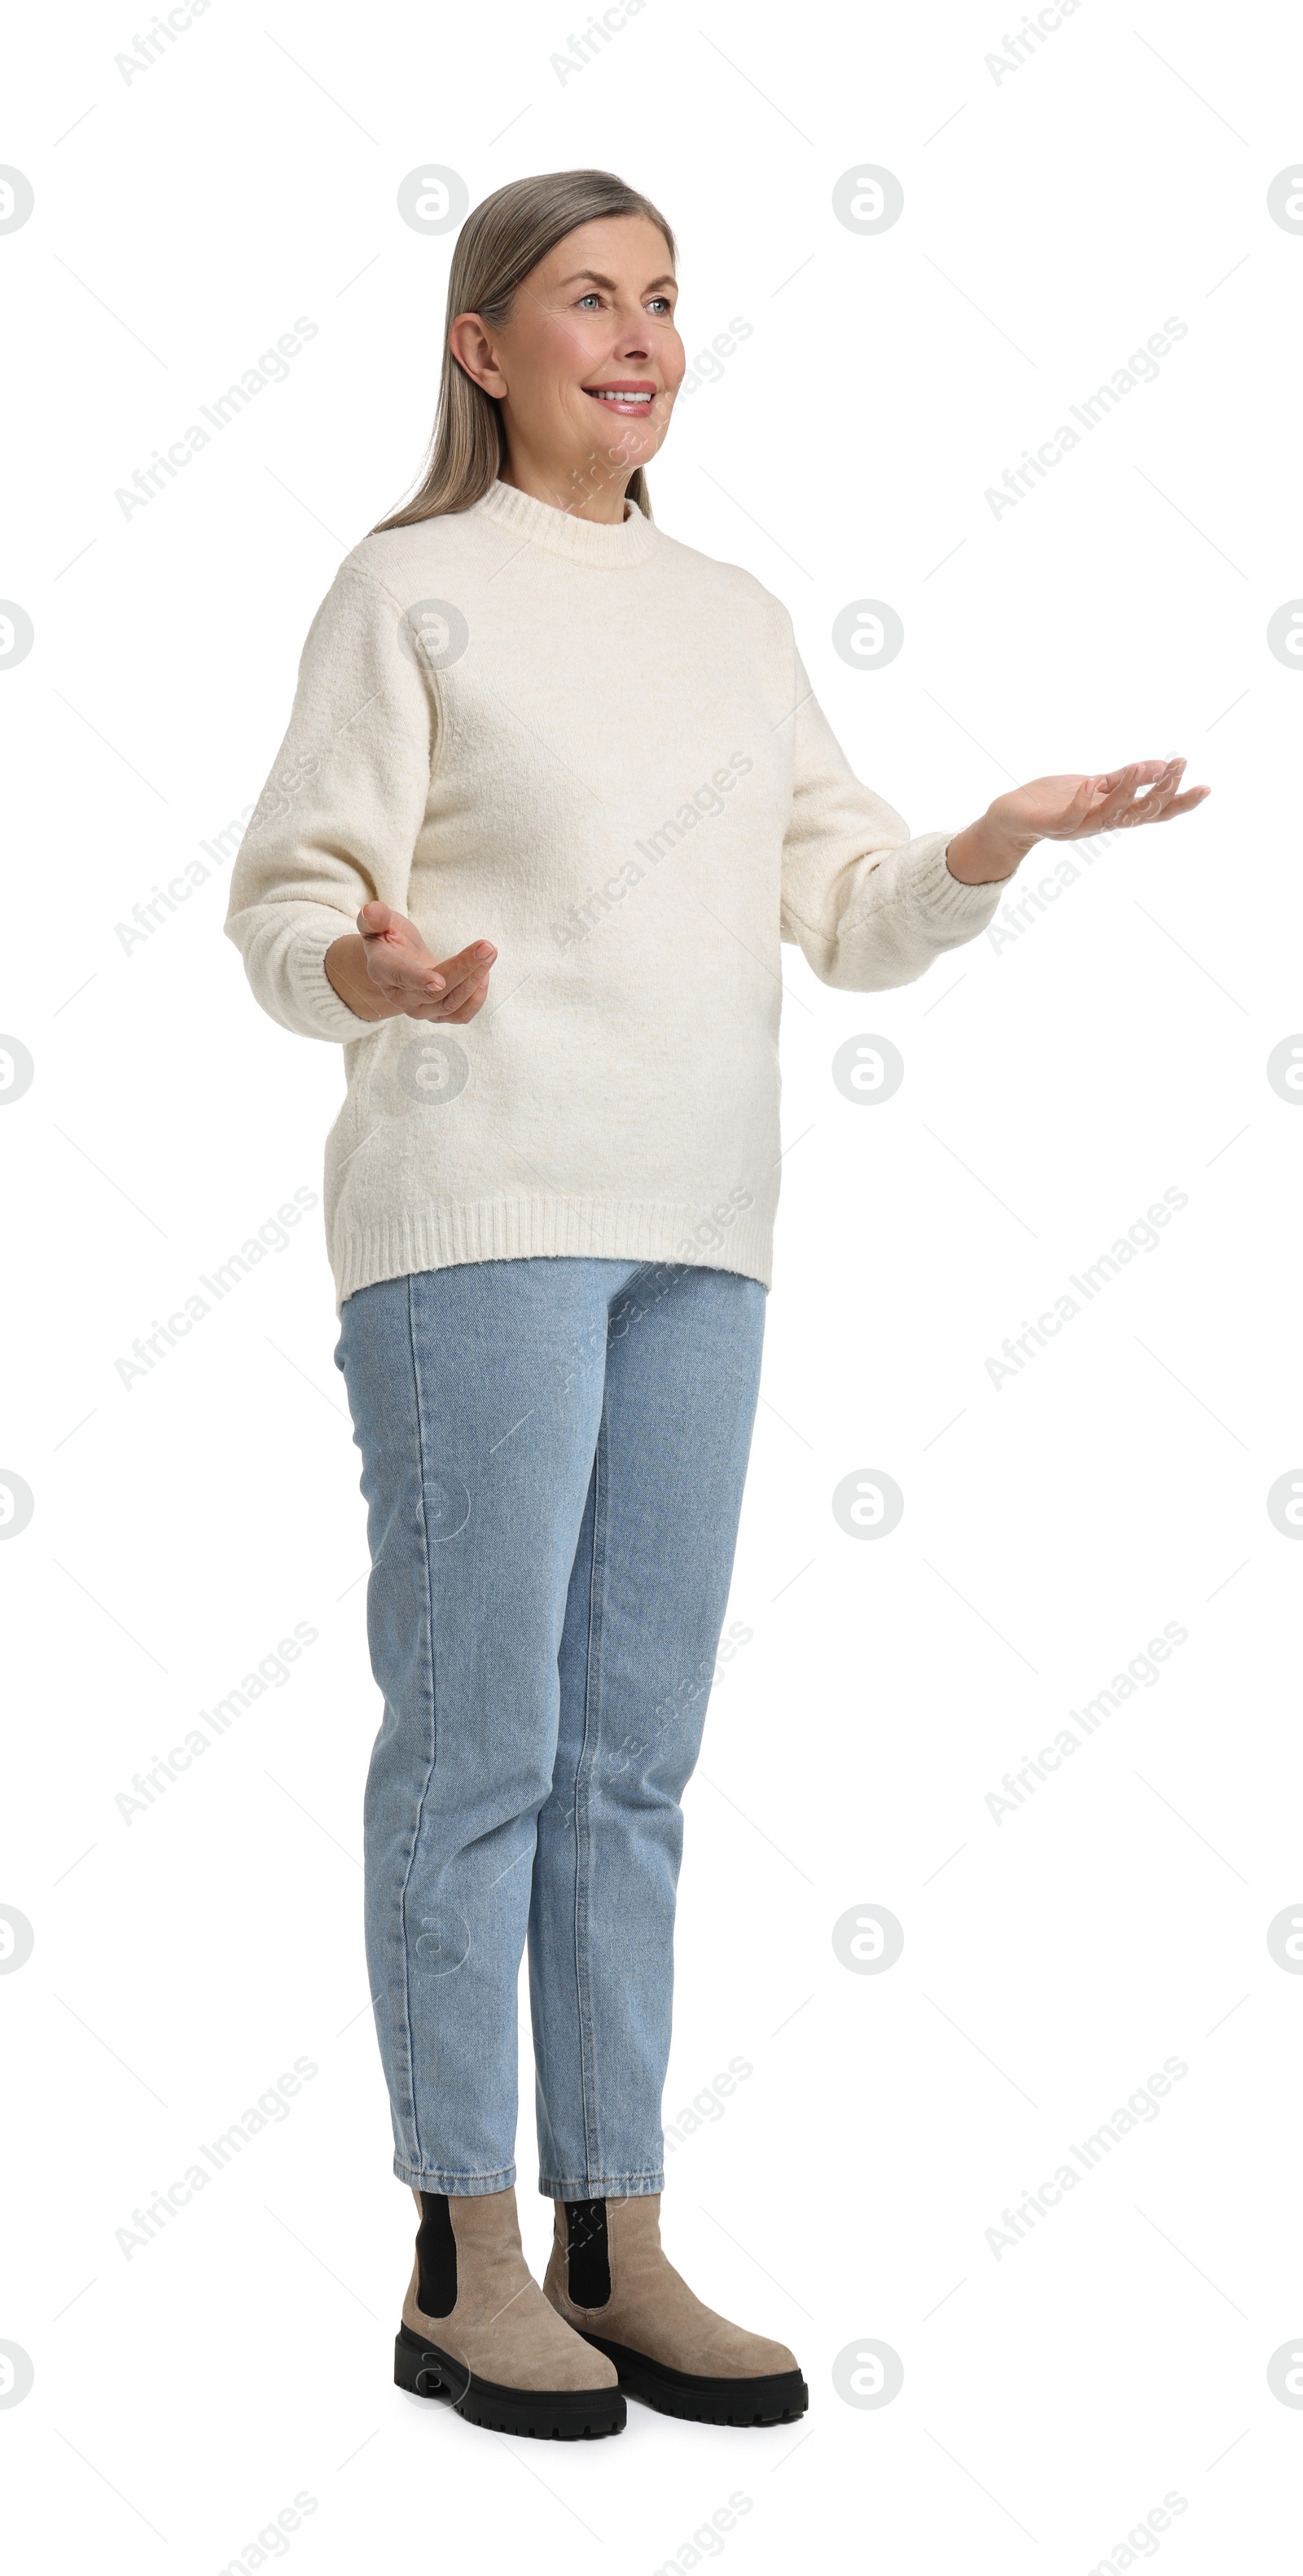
pixel 553 1453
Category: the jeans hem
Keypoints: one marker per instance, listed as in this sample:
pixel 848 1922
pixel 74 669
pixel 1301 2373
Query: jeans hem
pixel 597 2187
pixel 460 2186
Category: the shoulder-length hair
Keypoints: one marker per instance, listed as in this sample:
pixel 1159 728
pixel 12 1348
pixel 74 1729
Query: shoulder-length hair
pixel 498 245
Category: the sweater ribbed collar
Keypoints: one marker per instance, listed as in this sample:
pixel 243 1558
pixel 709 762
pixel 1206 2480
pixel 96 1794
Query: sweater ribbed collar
pixel 559 532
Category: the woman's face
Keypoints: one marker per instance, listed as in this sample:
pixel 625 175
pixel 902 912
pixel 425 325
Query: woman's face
pixel 587 366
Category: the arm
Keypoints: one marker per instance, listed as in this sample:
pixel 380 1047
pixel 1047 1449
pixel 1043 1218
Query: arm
pixel 320 886
pixel 868 906
pixel 871 908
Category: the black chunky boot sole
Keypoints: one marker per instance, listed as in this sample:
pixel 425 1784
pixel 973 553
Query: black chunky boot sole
pixel 776 2400
pixel 545 2414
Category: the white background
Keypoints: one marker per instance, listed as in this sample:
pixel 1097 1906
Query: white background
pixel 1054 1088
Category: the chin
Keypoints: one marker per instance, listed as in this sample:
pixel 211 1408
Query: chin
pixel 627 442
pixel 628 453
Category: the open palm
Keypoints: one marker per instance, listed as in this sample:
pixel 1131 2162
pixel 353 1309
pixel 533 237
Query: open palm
pixel 1070 809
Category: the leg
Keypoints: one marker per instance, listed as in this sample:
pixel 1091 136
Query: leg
pixel 476 1395
pixel 646 1602
pixel 647 1598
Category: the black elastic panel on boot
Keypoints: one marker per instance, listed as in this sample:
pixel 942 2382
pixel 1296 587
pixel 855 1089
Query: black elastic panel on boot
pixel 436 2257
pixel 590 2260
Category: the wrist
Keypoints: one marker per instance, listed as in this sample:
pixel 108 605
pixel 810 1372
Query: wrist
pixel 344 965
pixel 985 852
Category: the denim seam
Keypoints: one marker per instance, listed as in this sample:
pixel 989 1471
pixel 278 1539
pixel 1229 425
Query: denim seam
pixel 583 1839
pixel 596 2186
pixel 418 2158
pixel 642 2175
pixel 439 2180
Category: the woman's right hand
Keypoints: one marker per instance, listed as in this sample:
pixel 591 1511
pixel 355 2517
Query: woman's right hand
pixel 385 969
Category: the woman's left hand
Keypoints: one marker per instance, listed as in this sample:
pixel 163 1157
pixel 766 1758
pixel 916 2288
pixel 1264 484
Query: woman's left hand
pixel 1068 809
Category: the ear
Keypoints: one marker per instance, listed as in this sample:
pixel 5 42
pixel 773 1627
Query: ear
pixel 472 348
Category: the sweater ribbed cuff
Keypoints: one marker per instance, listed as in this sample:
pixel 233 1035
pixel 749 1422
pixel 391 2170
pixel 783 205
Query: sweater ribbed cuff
pixel 965 909
pixel 315 995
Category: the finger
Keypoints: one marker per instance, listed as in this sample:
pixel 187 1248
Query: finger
pixel 471 967
pixel 1121 786
pixel 1112 782
pixel 1144 808
pixel 445 1004
pixel 375 919
pixel 1138 773
pixel 1150 806
pixel 459 985
pixel 1183 804
pixel 393 939
pixel 474 1002
pixel 1112 792
pixel 407 978
pixel 1171 769
pixel 467 1009
pixel 448 1003
pixel 1126 807
pixel 389 934
pixel 480 954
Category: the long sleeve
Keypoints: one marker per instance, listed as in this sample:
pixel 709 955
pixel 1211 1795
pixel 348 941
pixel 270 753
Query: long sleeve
pixel 868 906
pixel 612 764
pixel 337 821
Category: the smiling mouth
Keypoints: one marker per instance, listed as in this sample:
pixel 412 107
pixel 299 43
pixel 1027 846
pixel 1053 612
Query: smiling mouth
pixel 629 398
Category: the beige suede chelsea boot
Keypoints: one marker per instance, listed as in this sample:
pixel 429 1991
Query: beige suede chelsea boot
pixel 608 2277
pixel 478 2332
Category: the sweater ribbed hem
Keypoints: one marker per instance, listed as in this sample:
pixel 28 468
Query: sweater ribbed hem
pixel 596 1229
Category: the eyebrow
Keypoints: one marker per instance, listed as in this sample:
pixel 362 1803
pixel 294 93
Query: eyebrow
pixel 609 282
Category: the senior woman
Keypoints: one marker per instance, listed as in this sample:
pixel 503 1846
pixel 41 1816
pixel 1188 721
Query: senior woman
pixel 555 789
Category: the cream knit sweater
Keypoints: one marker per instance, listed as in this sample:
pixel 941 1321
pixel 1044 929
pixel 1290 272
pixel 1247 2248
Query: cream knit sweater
pixel 598 749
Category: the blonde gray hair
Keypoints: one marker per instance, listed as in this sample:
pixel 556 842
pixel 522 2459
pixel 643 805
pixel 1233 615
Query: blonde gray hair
pixel 499 243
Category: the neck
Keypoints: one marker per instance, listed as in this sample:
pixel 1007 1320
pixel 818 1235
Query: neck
pixel 594 489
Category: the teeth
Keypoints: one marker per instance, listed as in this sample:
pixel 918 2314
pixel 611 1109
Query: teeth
pixel 620 398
